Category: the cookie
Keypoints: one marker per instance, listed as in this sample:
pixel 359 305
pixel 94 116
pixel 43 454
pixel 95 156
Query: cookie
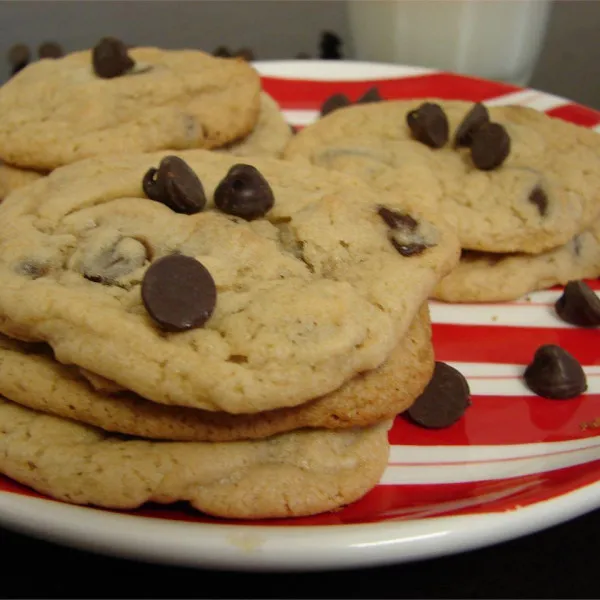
pixel 29 376
pixel 295 474
pixel 320 289
pixel 12 178
pixel 544 192
pixel 270 135
pixel 55 112
pixel 482 277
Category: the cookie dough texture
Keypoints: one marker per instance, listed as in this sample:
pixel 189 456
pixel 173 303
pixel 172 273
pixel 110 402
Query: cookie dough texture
pixel 490 209
pixel 56 112
pixel 485 277
pixel 307 298
pixel 295 474
pixel 270 135
pixel 12 178
pixel 30 377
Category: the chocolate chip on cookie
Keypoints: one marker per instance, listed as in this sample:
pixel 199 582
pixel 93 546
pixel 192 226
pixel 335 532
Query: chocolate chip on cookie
pixel 50 50
pixel 371 95
pixel 333 103
pixel 245 54
pixel 490 146
pixel 244 193
pixel 18 57
pixel 444 400
pixel 404 234
pixel 222 52
pixel 179 293
pixel 428 124
pixel 110 58
pixel 176 185
pixel 110 263
pixel 539 198
pixel 555 374
pixel 475 118
pixel 579 305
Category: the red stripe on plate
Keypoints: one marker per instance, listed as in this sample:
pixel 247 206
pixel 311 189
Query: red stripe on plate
pixel 511 345
pixel 494 420
pixel 575 113
pixel 307 94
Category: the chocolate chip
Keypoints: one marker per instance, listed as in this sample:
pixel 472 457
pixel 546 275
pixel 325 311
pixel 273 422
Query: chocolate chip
pixel 222 52
pixel 474 119
pixel 579 305
pixel 539 198
pixel 403 232
pixel 245 193
pixel 50 50
pixel 555 374
pixel 110 58
pixel 443 401
pixel 176 185
pixel 179 293
pixel 397 220
pixel 429 124
pixel 333 103
pixel 490 145
pixel 18 57
pixel 330 46
pixel 371 95
pixel 111 263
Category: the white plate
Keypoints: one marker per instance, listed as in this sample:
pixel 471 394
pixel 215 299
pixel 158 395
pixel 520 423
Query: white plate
pixel 514 464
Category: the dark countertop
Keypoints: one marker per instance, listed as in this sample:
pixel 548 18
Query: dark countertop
pixel 555 563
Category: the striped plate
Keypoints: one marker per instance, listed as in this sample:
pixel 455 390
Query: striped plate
pixel 514 464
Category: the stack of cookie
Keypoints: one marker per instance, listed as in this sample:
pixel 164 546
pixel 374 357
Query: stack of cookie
pixel 182 327
pixel 113 99
pixel 522 189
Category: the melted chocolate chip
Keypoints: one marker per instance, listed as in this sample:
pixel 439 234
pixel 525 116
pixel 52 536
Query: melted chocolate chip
pixel 245 193
pixel 429 124
pixel 179 293
pixel 176 185
pixel 579 305
pixel 490 146
pixel 474 119
pixel 555 374
pixel 110 58
pixel 443 401
pixel 371 95
pixel 397 220
pixel 403 232
pixel 539 198
pixel 333 103
pixel 50 50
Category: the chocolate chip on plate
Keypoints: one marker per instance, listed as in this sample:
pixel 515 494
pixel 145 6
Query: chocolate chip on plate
pixel 475 118
pixel 371 95
pixel 539 198
pixel 555 374
pixel 110 58
pixel 444 400
pixel 490 146
pixel 428 124
pixel 50 50
pixel 579 305
pixel 333 103
pixel 176 185
pixel 245 193
pixel 179 293
pixel 404 234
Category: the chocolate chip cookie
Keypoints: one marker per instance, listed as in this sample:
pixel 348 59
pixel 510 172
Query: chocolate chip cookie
pixel 194 281
pixel 113 99
pixel 512 179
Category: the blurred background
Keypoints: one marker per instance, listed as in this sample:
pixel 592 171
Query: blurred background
pixel 563 36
